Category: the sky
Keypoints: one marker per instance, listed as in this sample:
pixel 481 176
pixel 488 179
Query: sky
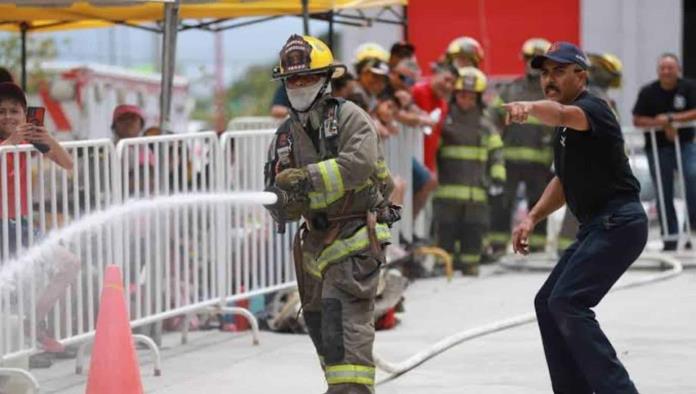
pixel 249 45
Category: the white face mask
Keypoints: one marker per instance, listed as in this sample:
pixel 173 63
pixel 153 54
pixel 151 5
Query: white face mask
pixel 302 98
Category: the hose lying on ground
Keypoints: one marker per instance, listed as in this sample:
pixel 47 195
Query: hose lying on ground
pixel 396 369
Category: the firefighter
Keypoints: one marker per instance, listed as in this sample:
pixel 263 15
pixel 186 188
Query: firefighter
pixel 604 73
pixel 327 167
pixel 527 154
pixel 464 52
pixel 470 165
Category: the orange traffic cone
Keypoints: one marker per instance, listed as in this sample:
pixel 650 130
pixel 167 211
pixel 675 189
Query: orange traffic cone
pixel 114 365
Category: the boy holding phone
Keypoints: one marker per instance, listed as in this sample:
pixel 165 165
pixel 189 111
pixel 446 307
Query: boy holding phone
pixel 20 126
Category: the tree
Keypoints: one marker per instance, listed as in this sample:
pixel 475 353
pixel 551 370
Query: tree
pixel 251 95
pixel 39 50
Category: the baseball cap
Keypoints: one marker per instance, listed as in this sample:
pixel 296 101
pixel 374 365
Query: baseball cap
pixel 377 66
pixel 13 91
pixel 562 52
pixel 124 109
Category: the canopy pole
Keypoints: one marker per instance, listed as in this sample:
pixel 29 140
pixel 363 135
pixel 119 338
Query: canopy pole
pixel 171 21
pixel 305 17
pixel 331 30
pixel 23 28
pixel 405 23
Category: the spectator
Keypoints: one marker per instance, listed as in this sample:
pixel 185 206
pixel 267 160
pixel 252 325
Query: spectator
pixel 432 96
pixel 385 115
pixel 403 75
pixel 402 78
pixel 15 130
pixel 401 51
pixel 662 103
pixel 280 106
pixel 343 86
pixel 128 121
pixel 372 80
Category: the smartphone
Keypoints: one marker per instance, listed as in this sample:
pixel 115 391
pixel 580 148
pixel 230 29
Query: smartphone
pixel 35 116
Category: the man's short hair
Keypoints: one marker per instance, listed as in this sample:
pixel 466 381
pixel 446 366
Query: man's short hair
pixel 670 55
pixel 342 81
pixel 402 49
pixel 5 75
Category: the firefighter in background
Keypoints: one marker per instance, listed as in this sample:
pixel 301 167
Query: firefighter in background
pixel 527 152
pixel 470 166
pixel 464 52
pixel 604 73
pixel 326 165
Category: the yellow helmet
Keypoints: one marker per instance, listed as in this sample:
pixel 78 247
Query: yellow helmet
pixel 471 79
pixel 371 50
pixel 467 46
pixel 304 55
pixel 535 46
pixel 609 63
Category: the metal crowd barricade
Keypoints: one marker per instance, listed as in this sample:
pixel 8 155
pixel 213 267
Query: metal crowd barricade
pixel 400 152
pixel 245 123
pixel 636 148
pixel 258 258
pixel 54 198
pixel 170 256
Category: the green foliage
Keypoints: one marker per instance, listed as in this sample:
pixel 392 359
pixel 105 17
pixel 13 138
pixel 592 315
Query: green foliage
pixel 38 50
pixel 252 94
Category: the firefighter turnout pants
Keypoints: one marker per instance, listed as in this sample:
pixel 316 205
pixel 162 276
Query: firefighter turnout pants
pixel 535 177
pixel 338 312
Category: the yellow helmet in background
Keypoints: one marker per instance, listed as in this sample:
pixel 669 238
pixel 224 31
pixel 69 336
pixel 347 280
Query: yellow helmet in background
pixel 535 46
pixel 608 63
pixel 471 79
pixel 466 46
pixel 305 55
pixel 371 50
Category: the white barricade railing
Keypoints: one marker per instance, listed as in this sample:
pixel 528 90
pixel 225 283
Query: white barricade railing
pixel 170 256
pixel 400 151
pixel 636 148
pixel 53 198
pixel 257 256
pixel 243 123
pixel 176 259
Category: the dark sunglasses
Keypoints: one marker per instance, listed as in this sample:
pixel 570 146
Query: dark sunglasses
pixel 408 81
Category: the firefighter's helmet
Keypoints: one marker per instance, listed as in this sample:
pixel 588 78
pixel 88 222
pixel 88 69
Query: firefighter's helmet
pixel 371 50
pixel 471 79
pixel 535 46
pixel 608 63
pixel 466 46
pixel 306 55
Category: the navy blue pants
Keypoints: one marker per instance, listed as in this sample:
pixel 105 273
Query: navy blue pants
pixel 580 358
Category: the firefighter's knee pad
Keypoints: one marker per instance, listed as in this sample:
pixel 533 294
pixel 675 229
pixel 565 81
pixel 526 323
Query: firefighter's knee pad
pixel 313 323
pixel 332 330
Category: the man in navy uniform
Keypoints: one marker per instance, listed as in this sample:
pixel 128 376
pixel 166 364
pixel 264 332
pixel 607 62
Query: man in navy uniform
pixel 593 178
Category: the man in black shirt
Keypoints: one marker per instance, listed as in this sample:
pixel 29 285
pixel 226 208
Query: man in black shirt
pixel 593 177
pixel 661 103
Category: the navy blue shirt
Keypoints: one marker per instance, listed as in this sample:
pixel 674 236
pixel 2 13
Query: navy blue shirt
pixel 653 100
pixel 592 164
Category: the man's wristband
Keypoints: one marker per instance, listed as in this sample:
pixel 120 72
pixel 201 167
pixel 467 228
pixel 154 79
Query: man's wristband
pixel 670 118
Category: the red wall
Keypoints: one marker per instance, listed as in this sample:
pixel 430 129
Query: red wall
pixel 501 26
